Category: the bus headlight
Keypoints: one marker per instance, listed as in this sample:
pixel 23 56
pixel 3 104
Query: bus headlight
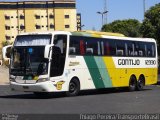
pixel 42 80
pixel 12 78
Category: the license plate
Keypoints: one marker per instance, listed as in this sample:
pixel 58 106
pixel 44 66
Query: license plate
pixel 25 87
pixel 27 78
pixel 19 78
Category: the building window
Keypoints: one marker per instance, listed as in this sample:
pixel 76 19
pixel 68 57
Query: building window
pixel 12 26
pixel 41 16
pixel 37 16
pixel 67 26
pixel 38 27
pixel 66 16
pixel 11 16
pixel 7 17
pixel 8 37
pixel 12 36
pixel 79 26
pixel 51 16
pixel 51 26
pixel 7 27
pixel 22 27
pixel 21 16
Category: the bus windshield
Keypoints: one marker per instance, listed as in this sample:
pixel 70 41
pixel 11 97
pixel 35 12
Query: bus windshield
pixel 28 61
pixel 27 56
pixel 33 40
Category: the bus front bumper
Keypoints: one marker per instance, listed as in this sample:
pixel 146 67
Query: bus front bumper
pixel 47 86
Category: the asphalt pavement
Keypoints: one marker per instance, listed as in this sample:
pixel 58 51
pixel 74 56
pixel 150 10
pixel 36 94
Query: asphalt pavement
pixel 92 101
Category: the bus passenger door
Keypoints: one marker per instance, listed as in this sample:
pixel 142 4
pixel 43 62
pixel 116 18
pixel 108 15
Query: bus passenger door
pixel 58 55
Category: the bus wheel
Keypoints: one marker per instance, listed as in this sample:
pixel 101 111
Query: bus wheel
pixel 132 83
pixel 74 87
pixel 140 83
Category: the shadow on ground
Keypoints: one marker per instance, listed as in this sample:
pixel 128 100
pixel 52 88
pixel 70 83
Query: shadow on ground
pixel 158 83
pixel 62 94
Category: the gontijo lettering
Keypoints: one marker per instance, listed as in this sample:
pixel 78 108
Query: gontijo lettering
pixel 128 62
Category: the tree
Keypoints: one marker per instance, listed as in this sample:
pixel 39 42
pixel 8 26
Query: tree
pixel 5 43
pixel 151 24
pixel 130 27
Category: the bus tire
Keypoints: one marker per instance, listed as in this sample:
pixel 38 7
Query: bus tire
pixel 132 83
pixel 140 83
pixel 74 87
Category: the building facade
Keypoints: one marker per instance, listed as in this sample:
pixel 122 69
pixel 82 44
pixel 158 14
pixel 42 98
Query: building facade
pixel 79 25
pixel 36 15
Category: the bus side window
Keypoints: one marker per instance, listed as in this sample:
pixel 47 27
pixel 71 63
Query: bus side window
pixel 72 50
pixel 61 42
pixel 120 48
pixel 89 51
pixel 102 47
pixel 109 47
pixel 153 50
pixel 99 48
pixel 141 50
pixel 91 47
pixel 136 47
pixel 130 48
pixel 82 47
pixel 126 50
pixel 150 49
pixel 74 46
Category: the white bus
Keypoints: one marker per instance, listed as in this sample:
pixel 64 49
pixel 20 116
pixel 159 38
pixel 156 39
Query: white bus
pixel 73 61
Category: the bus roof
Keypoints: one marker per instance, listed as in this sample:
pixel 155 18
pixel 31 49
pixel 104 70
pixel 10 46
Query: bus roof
pixel 110 35
pixel 96 33
pixel 89 33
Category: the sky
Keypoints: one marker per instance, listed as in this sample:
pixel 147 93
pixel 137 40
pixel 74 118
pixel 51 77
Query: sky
pixel 117 10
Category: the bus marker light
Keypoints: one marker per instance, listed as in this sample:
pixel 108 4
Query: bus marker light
pixel 35 78
pixel 59 85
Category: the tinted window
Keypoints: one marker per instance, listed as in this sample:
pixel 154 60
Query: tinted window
pixel 109 47
pixel 120 48
pixel 84 46
pixel 150 49
pixel 33 40
pixel 92 46
pixel 58 55
pixel 74 47
pixel 80 45
pixel 141 49
pixel 130 48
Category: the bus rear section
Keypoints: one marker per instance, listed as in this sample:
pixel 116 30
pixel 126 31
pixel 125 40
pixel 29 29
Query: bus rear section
pixel 109 61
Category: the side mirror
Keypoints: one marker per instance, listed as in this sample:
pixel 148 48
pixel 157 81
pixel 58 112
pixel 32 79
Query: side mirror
pixel 47 51
pixel 6 52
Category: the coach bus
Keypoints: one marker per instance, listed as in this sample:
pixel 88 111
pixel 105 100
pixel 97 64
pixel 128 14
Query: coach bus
pixel 68 62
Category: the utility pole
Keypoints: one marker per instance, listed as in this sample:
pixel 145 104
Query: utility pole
pixel 105 9
pixel 102 13
pixel 144 7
